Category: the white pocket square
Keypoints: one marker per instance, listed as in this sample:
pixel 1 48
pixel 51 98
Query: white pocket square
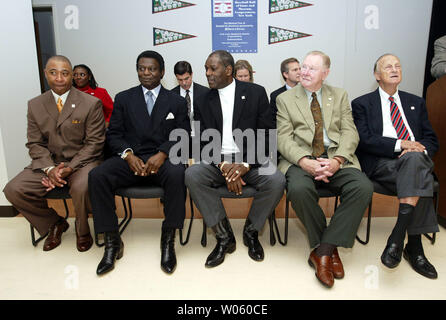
pixel 170 116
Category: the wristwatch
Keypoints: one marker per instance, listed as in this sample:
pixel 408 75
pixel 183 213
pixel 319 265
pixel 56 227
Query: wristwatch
pixel 246 165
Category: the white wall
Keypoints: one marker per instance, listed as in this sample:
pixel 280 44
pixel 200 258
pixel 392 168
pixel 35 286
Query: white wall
pixel 19 83
pixel 113 32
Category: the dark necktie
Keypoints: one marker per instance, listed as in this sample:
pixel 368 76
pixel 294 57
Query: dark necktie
pixel 318 140
pixel 397 120
pixel 188 102
pixel 149 102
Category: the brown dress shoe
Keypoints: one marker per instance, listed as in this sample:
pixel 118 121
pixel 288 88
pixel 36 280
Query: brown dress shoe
pixel 324 268
pixel 84 243
pixel 338 269
pixel 55 235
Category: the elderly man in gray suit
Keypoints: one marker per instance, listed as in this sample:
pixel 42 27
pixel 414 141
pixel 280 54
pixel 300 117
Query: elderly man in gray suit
pixel 66 135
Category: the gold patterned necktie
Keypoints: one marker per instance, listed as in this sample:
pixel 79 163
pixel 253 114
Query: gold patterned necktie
pixel 59 105
pixel 318 140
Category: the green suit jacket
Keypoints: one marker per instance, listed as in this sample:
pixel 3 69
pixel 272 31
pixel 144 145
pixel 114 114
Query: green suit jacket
pixel 295 126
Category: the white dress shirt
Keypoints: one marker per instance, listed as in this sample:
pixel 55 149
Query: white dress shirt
pixel 227 99
pixel 63 96
pixel 388 128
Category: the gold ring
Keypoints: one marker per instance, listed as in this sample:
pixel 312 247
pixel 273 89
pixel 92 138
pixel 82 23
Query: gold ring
pixel 152 171
pixel 236 171
pixel 136 173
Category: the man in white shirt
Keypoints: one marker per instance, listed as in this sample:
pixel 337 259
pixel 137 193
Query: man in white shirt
pixel 232 106
pixel 395 149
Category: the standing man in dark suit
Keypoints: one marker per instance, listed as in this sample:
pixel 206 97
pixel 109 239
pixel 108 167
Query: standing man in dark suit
pixel 138 136
pixel 395 149
pixel 290 70
pixel 66 134
pixel 188 89
pixel 232 106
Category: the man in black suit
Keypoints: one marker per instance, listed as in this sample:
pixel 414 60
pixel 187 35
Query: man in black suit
pixel 188 89
pixel 290 70
pixel 232 107
pixel 395 149
pixel 138 136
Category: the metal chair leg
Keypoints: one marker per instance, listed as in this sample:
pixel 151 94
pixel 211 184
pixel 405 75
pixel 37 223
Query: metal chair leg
pixel 285 239
pixel 369 219
pixel 272 237
pixel 204 236
pixel 190 224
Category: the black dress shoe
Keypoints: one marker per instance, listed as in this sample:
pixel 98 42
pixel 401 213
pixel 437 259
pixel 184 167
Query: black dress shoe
pixel 114 250
pixel 225 244
pixel 391 256
pixel 168 258
pixel 251 240
pixel 420 264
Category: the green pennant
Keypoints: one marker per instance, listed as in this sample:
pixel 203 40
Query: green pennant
pixel 163 36
pixel 167 5
pixel 283 5
pixel 277 35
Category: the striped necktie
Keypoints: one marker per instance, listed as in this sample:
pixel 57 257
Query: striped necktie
pixel 59 105
pixel 397 120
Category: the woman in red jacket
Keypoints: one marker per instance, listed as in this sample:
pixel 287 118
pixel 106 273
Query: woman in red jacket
pixel 83 80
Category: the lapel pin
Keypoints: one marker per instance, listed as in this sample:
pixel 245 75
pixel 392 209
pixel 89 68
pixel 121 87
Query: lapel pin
pixel 329 98
pixel 72 106
pixel 412 108
pixel 243 97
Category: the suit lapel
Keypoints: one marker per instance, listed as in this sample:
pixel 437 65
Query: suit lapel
pixel 303 106
pixel 215 105
pixel 239 103
pixel 376 111
pixel 160 109
pixel 327 106
pixel 408 112
pixel 71 103
pixel 50 105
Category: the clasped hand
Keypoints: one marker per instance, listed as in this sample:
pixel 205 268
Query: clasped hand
pixel 411 146
pixel 139 168
pixel 56 176
pixel 321 168
pixel 233 173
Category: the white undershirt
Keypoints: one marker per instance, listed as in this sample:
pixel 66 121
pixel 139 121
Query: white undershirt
pixel 389 130
pixel 227 98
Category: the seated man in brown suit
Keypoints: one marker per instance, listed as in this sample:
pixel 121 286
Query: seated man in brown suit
pixel 66 134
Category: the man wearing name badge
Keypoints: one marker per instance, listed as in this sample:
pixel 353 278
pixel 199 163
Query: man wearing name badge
pixel 229 106
pixel 138 136
pixel 66 134
pixel 317 139
pixel 187 88
pixel 395 149
pixel 290 70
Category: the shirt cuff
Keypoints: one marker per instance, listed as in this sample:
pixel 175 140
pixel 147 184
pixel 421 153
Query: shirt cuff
pixel 125 151
pixel 398 146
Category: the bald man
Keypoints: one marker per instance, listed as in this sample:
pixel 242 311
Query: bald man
pixel 395 149
pixel 66 134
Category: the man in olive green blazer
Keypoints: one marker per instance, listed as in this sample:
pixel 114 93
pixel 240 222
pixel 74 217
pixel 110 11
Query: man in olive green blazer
pixel 317 139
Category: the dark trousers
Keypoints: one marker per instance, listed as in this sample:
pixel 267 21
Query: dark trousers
pixel 355 190
pixel 411 176
pixel 115 173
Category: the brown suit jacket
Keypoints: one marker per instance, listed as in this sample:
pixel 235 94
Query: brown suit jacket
pixel 75 136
